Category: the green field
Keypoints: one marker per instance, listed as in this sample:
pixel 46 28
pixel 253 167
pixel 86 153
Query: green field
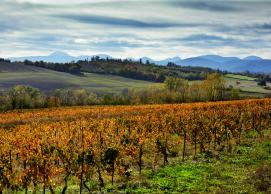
pixel 247 86
pixel 48 80
pixel 240 77
pixel 229 174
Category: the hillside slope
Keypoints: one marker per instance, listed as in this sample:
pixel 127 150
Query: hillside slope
pixel 47 80
pixel 18 67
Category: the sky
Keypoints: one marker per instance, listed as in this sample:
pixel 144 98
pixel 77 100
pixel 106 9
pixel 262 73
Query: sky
pixel 135 28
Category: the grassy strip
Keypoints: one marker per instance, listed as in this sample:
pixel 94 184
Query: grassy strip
pixel 226 174
pixel 241 77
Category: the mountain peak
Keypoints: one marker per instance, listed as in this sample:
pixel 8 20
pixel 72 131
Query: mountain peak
pixel 218 58
pixel 253 58
pixel 59 53
pixel 176 58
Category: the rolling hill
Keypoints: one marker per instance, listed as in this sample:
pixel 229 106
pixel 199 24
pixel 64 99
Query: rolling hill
pixel 48 80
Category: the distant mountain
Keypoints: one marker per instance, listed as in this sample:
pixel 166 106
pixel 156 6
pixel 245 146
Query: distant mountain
pixel 198 62
pixel 166 61
pixel 159 62
pixel 145 59
pixel 232 64
pixel 253 58
pixel 218 58
pixel 58 57
pixel 256 66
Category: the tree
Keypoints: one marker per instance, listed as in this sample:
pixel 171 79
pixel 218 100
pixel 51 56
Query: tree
pixel 92 99
pixel 26 97
pixel 176 84
pixel 214 87
pixel 235 94
pixel 195 92
pixel 80 97
pixel 262 83
pixel 5 103
pixel 52 101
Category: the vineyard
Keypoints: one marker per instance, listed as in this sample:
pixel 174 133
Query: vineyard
pixel 44 150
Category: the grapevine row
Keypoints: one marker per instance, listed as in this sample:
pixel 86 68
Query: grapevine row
pixel 49 147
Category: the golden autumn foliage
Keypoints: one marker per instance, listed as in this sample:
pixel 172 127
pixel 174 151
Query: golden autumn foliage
pixel 48 146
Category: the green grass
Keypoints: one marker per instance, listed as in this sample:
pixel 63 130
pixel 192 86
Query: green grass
pixel 228 174
pixel 247 86
pixel 48 81
pixel 240 77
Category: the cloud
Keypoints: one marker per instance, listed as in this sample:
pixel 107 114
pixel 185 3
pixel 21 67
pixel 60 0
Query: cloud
pixel 61 1
pixel 106 44
pixel 6 27
pixel 156 28
pixel 42 39
pixel 207 6
pixel 204 37
pixel 124 22
pixel 212 41
pixel 264 26
pixel 11 25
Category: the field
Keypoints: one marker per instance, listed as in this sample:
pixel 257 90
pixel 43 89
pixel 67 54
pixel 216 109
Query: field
pixel 48 80
pixel 187 148
pixel 240 77
pixel 248 87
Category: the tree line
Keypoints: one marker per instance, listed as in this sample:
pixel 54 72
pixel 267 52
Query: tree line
pixel 126 68
pixel 73 68
pixel 136 69
pixel 176 90
pixel 143 71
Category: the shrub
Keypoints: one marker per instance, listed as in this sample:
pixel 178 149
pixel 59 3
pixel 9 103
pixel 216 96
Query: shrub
pixel 261 178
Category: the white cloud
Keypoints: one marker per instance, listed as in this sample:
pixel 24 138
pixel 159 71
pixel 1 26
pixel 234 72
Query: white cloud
pixel 132 28
pixel 64 1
